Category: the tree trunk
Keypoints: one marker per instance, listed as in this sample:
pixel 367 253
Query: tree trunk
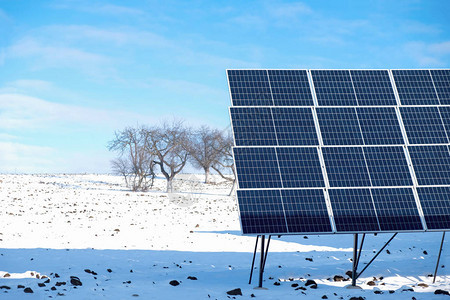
pixel 169 185
pixel 207 175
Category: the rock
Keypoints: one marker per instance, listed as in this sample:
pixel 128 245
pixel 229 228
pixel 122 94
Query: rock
pixel 109 270
pixel 313 286
pixel 309 259
pixel 5 287
pixel 349 274
pixel 60 283
pixel 174 283
pixel 425 252
pixel 357 298
pixel 252 295
pixel 56 275
pixel 47 281
pixel 53 288
pixel 424 285
pixel 6 275
pixel 192 278
pixel 310 282
pixel 388 252
pixel 371 283
pixel 135 295
pixel 378 292
pixel 20 286
pixel 235 292
pixel 324 297
pixel 40 284
pixel 90 272
pixel 391 291
pixel 75 281
pixel 28 290
pixel 294 285
pixel 408 290
pixel 441 292
pixel 301 288
pixel 338 278
pixel 276 283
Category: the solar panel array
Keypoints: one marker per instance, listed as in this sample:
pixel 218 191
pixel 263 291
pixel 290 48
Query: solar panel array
pixel 341 151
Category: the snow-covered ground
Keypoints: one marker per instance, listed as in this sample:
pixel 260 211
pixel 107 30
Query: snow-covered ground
pixel 125 245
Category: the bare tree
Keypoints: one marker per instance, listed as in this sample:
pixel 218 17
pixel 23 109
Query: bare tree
pixel 224 161
pixel 204 148
pixel 168 143
pixel 135 164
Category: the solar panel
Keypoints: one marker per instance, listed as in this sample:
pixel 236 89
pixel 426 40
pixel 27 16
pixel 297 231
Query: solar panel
pixel 441 79
pixel 346 167
pixel 300 167
pixel 423 125
pixel 295 126
pixel 380 126
pixel 249 87
pixel 257 168
pixel 396 209
pixel 253 126
pixel 431 164
pixel 306 211
pixel 387 166
pixel 341 151
pixel 333 87
pixel 373 87
pixel 353 210
pixel 261 211
pixel 290 88
pixel 436 206
pixel 339 126
pixel 415 87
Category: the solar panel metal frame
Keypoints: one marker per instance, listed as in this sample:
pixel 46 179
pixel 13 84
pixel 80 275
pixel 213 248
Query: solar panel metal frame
pixel 321 145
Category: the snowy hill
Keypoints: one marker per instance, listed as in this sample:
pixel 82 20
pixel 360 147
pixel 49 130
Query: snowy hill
pixel 124 245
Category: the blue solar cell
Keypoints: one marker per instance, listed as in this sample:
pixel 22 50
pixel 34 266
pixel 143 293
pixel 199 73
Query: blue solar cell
pixel 253 126
pixel 380 126
pixel 257 168
pixel 441 79
pixel 306 211
pixel 346 167
pixel 415 87
pixel 353 210
pixel 431 164
pixel 373 87
pixel 423 125
pixel 290 87
pixel 435 203
pixel 445 116
pixel 300 167
pixel 333 87
pixel 396 209
pixel 249 87
pixel 339 126
pixel 295 126
pixel 261 211
pixel 387 166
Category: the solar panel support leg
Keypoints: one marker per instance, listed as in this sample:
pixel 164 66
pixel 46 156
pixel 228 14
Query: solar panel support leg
pixel 355 253
pixel 253 260
pixel 261 263
pixel 378 253
pixel 267 251
pixel 439 257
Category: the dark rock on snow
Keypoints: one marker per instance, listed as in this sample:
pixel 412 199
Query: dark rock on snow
pixel 75 281
pixel 5 287
pixel 28 290
pixel 338 278
pixel 174 283
pixel 235 292
pixel 441 292
pixel 192 278
pixel 310 282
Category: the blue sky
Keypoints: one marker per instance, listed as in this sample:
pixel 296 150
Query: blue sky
pixel 73 72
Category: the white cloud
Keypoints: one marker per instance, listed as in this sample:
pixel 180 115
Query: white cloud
pixel 289 10
pixel 97 8
pixel 428 55
pixel 25 112
pixel 17 157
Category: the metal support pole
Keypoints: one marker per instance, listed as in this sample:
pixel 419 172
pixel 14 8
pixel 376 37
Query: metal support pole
pixel 360 250
pixel 439 257
pixel 267 251
pixel 377 254
pixel 253 260
pixel 355 252
pixel 261 264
